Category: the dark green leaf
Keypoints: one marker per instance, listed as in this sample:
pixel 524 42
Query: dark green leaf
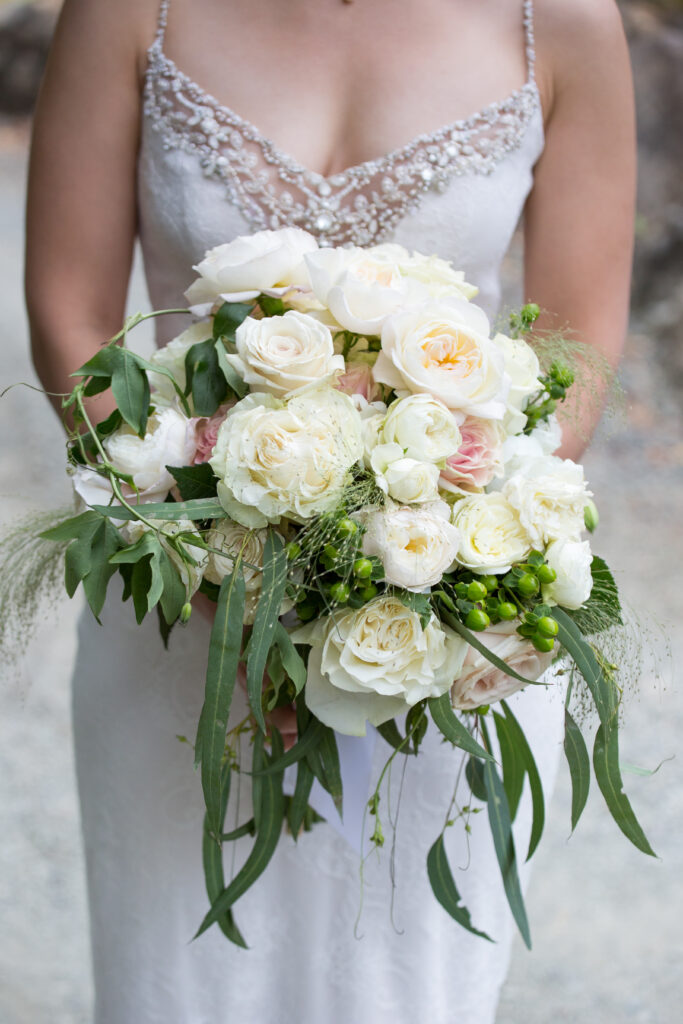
pixel 164 628
pixel 418 603
pixel 299 801
pixel 603 691
pixel 248 829
pixel 232 377
pixel 108 426
pixel 270 305
pixel 519 740
pixel 578 760
pixel 603 608
pixel 194 482
pixel 105 542
pixel 173 595
pixel 329 757
pixel 474 773
pixel 96 385
pixel 608 775
pixel 512 766
pixel 265 620
pixel 72 528
pixel 205 378
pixel 212 858
pixel 228 318
pixel 130 388
pixel 292 662
pixel 164 372
pixel 444 888
pixel 204 508
pixel 309 741
pixel 102 364
pixel 141 581
pixel 389 732
pixel 224 653
pixel 501 830
pixel 269 827
pixel 452 728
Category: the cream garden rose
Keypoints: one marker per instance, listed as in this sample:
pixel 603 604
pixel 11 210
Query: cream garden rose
pixel 416 545
pixel 549 495
pixel 442 348
pixel 405 480
pixel 279 354
pixel 232 538
pixel 423 428
pixel 267 261
pixel 372 664
pixel 523 369
pixel 480 682
pixel 571 560
pixel 286 458
pixel 478 459
pixel 492 538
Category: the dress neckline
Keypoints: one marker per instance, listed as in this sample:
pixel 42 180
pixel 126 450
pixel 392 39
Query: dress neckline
pixel 487 115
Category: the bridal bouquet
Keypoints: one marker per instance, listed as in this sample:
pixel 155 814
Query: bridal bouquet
pixel 342 455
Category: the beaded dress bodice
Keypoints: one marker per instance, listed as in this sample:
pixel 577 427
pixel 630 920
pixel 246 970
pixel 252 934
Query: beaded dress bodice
pixel 206 175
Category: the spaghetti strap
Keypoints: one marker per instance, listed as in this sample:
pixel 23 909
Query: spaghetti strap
pixel 161 24
pixel 529 37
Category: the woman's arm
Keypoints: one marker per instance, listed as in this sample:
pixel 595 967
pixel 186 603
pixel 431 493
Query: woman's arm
pixel 579 216
pixel 81 212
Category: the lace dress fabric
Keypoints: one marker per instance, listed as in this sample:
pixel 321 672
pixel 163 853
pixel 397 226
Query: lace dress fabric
pixel 205 175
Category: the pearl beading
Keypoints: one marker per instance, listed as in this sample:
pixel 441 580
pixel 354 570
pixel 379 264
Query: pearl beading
pixel 360 205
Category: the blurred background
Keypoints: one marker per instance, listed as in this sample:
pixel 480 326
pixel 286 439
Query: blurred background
pixel 606 921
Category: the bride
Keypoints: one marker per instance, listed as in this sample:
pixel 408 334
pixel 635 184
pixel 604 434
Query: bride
pixel 433 124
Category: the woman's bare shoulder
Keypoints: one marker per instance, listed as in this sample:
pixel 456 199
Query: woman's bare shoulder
pixel 126 27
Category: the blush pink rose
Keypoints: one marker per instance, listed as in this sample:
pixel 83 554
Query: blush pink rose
pixel 358 380
pixel 478 459
pixel 480 682
pixel 207 428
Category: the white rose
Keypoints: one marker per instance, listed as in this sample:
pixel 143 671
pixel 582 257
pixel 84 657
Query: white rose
pixel 522 367
pixel 169 441
pixel 571 560
pixel 279 354
pixel 549 495
pixel 423 427
pixel 232 538
pixel 276 458
pixel 519 449
pixel 492 537
pixel 405 480
pixel 374 663
pixel 442 349
pixel 480 682
pixel 191 575
pixel 360 287
pixel 172 357
pixel 267 261
pixel 437 275
pixel 415 545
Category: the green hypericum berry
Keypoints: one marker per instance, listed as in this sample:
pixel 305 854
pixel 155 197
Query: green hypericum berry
pixel 362 568
pixel 476 591
pixel 340 592
pixel 528 585
pixel 477 620
pixel 590 516
pixel 367 593
pixel 527 631
pixel 507 611
pixel 347 527
pixel 330 553
pixel 535 558
pixel 547 626
pixel 293 551
pixel 561 373
pixel 544 644
pixel 490 582
pixel 530 312
pixel 306 611
pixel 546 574
pixel 461 591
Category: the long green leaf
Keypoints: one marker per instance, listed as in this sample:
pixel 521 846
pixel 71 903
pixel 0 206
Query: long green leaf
pixel 292 662
pixel 232 377
pixel 130 388
pixel 474 641
pixel 444 888
pixel 299 801
pixel 309 741
pixel 608 775
pixel 78 555
pixel 391 734
pixel 214 877
pixel 173 595
pixel 501 830
pixel 224 653
pixel 579 763
pixel 269 828
pixel 535 785
pixel 603 692
pixel 474 773
pixel 203 508
pixel 452 728
pixel 265 620
pixel 513 769
pixel 247 829
pixel 72 528
pixel 105 542
pixel 329 756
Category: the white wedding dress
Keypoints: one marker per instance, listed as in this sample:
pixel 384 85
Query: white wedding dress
pixel 205 176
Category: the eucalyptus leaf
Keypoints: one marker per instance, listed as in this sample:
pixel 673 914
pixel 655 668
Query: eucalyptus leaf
pixel 474 773
pixel 292 662
pixel 299 801
pixel 512 765
pixel 390 733
pixel 603 691
pixel 309 741
pixel 608 775
pixel 214 877
pixel 473 641
pixel 521 744
pixel 444 888
pixel 452 728
pixel 171 511
pixel 578 760
pixel 265 620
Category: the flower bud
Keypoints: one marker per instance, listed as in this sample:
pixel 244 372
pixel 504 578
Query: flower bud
pixel 591 516
pixel 185 612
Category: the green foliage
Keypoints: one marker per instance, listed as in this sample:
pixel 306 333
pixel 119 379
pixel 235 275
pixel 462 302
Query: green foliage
pixel 602 610
pixel 518 740
pixel 608 775
pixel 232 377
pixel 579 766
pixel 452 728
pixel 130 388
pixel 194 482
pixel 204 378
pixel 602 689
pixel 418 603
pixel 228 318
pixel 213 869
pixel 170 511
pixel 299 802
pixel 444 888
pixel 266 620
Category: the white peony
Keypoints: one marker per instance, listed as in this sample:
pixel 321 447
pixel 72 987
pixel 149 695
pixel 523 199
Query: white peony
pixel 231 537
pixel 480 682
pixel 372 664
pixel 361 287
pixel 492 537
pixel 442 348
pixel 423 427
pixel 279 354
pixel 571 560
pixel 267 261
pixel 275 458
pixel 549 495
pixel 415 545
pixel 191 575
pixel 169 441
pixel 172 357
